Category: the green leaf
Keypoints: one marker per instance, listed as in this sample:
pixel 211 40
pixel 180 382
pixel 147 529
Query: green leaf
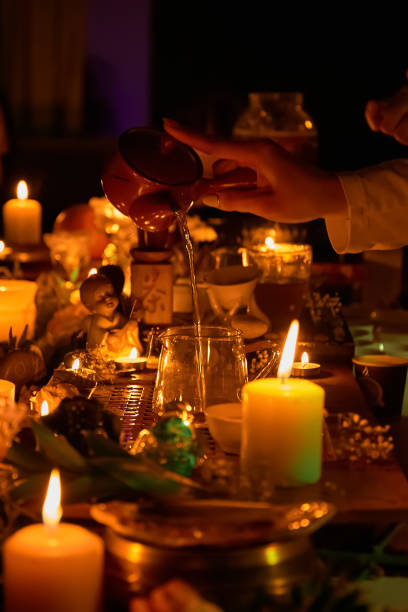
pixel 144 476
pixel 34 486
pixel 99 446
pixel 91 488
pixel 57 449
pixel 27 459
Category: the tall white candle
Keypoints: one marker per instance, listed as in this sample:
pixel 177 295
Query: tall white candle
pixel 7 389
pixel 17 308
pixel 53 566
pixel 282 429
pixel 22 218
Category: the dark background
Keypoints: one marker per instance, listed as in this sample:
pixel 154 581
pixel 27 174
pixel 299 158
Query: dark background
pixel 196 62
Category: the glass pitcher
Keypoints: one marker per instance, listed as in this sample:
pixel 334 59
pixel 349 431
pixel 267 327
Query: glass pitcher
pixel 200 370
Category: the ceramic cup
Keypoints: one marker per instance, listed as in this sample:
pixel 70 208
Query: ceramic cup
pixel 382 379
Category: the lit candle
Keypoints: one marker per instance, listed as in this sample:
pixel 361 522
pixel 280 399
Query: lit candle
pixel 131 361
pixel 22 218
pixel 53 566
pixel 7 389
pixel 282 425
pixel 17 307
pixel 44 409
pixel 304 368
pixel 5 251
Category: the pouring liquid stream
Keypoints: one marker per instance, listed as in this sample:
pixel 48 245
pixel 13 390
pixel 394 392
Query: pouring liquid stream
pixel 185 234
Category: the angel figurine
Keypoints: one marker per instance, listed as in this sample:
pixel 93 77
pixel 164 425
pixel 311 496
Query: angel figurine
pixel 106 327
pixel 98 295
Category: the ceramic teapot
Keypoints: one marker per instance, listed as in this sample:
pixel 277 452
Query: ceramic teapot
pixel 152 175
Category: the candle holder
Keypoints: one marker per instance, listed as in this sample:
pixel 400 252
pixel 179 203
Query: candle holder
pixel 305 369
pixel 283 287
pixel 130 364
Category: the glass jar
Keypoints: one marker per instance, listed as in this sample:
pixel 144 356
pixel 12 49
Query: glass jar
pixel 281 117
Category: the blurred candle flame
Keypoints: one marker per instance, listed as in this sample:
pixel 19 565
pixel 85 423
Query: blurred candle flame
pixel 44 410
pixel 22 190
pixel 133 353
pixel 2 246
pixel 92 271
pixel 52 510
pixel 270 242
pixel 305 358
pixel 288 352
pixel 75 365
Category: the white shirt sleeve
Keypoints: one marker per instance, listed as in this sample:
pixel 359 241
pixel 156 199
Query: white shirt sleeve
pixel 377 216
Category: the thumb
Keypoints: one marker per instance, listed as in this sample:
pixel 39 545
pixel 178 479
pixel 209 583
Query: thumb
pixel 373 115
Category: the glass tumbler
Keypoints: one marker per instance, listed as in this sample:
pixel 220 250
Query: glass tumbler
pixel 200 369
pixel 283 287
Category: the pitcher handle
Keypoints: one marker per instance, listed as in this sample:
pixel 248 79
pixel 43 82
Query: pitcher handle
pixel 260 345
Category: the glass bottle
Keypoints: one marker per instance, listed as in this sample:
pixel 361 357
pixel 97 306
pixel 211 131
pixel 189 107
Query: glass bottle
pixel 281 117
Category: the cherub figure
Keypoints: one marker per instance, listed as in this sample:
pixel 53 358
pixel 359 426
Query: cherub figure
pixel 99 296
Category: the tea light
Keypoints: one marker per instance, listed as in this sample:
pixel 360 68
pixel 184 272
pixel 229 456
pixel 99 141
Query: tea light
pixel 53 566
pixel 131 361
pixel 304 368
pixel 22 218
pixel 282 423
pixel 44 409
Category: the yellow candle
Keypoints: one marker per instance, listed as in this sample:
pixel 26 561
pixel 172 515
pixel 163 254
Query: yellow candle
pixel 53 566
pixel 7 389
pixel 22 218
pixel 282 424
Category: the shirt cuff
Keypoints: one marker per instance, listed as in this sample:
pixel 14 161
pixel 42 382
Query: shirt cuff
pixel 346 234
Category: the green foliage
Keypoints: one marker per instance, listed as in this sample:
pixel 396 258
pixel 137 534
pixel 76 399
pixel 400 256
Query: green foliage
pixel 107 472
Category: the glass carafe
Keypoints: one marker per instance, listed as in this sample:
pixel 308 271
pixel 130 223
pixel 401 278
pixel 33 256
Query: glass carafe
pixel 281 117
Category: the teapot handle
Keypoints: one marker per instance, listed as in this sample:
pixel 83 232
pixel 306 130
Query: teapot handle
pixel 239 178
pixel 273 360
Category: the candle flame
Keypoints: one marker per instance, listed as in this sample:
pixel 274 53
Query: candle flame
pixel 288 352
pixel 52 510
pixel 2 246
pixel 22 190
pixel 270 242
pixel 92 272
pixel 44 410
pixel 305 358
pixel 133 353
pixel 75 365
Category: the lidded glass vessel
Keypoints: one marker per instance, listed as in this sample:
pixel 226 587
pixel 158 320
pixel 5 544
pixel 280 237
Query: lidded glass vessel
pixel 281 117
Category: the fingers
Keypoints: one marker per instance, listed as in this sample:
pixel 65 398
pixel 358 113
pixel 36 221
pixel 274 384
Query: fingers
pixel 248 153
pixel 401 131
pixel 373 115
pixel 174 596
pixel 390 116
pixel 221 166
pixel 139 605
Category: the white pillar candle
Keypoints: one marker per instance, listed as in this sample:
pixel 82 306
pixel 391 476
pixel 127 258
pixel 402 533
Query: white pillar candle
pixel 17 308
pixel 282 424
pixel 22 218
pixel 7 389
pixel 51 567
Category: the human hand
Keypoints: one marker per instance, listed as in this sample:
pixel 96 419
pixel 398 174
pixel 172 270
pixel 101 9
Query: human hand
pixel 390 116
pixel 287 191
pixel 174 596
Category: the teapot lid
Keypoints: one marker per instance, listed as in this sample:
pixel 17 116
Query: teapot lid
pixel 159 157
